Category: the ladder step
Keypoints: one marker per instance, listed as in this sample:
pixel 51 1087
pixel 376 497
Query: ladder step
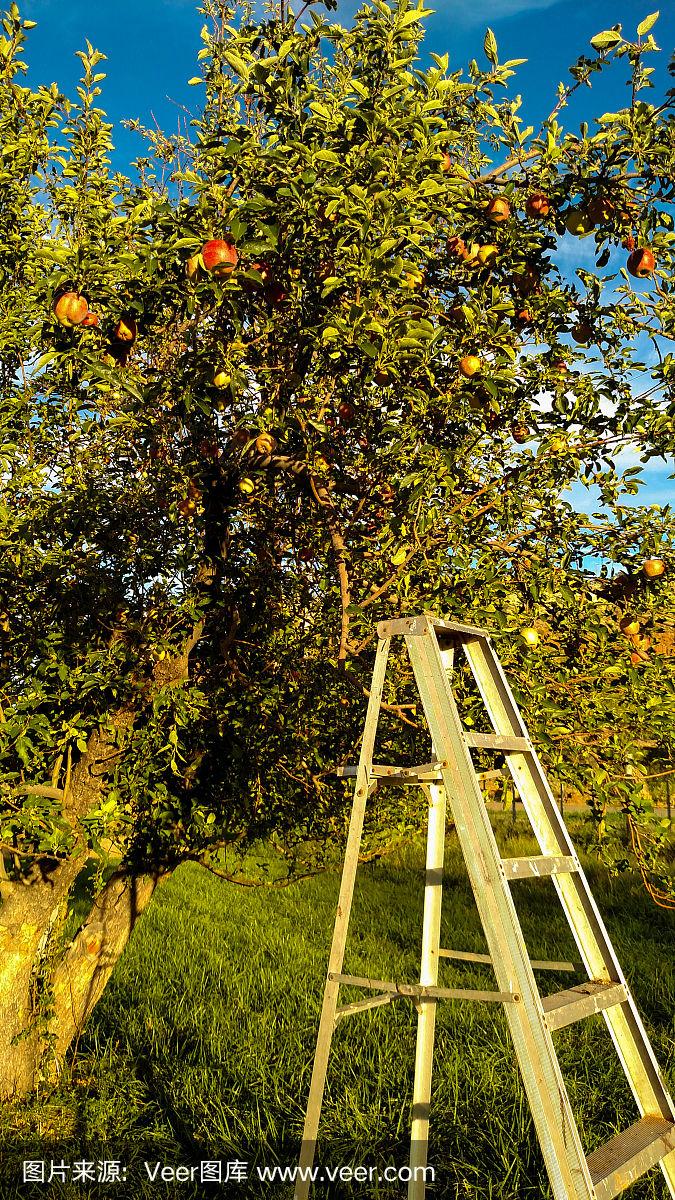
pixel 497 741
pixel 627 1156
pixel 537 964
pixel 417 626
pixel 538 865
pixel 346 1010
pixel 420 991
pixel 583 1000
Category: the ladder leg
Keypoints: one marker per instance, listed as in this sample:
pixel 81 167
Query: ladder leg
pixel 625 1025
pixel 330 997
pixel 426 1019
pixel 558 1135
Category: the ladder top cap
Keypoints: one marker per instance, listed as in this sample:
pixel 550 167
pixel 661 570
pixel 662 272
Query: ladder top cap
pixel 415 626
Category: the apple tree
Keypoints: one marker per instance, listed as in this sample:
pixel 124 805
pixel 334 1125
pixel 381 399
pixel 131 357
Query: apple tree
pixel 318 359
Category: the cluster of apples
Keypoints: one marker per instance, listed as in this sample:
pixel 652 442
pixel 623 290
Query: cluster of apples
pixel 72 309
pixel 188 505
pixel 264 444
pixel 583 219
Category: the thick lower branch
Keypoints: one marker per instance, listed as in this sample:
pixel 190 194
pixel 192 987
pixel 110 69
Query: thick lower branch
pixel 82 974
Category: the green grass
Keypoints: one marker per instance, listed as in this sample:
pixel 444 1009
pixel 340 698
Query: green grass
pixel 202 1045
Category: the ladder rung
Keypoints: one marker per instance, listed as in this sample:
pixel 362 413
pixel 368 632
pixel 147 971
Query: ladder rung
pixel 538 964
pixel 562 1008
pixel 416 626
pixel 627 1156
pixel 346 1010
pixel 418 990
pixel 395 774
pixel 538 865
pixel 497 741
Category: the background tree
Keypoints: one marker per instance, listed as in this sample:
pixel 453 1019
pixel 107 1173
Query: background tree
pixel 313 364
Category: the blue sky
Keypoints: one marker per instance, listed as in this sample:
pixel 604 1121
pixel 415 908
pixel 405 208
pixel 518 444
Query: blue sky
pixel 151 46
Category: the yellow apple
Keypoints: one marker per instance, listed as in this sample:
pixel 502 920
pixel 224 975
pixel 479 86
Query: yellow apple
pixel 579 222
pixel 653 567
pixel 487 255
pixel 530 636
pixel 469 365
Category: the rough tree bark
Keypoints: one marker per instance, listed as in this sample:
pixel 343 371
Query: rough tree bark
pixel 82 974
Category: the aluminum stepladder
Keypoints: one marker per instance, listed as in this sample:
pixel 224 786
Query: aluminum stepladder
pixel 431 644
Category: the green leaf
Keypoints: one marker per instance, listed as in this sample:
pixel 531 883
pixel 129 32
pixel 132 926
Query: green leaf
pixel 416 15
pixel 605 40
pixel 195 80
pixel 237 64
pixel 648 23
pixel 490 47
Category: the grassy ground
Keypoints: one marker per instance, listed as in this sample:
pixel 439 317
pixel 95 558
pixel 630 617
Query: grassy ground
pixel 203 1043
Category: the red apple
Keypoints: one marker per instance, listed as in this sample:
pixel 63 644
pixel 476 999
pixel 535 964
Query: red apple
pixel 446 162
pixel 346 412
pixel 275 292
pixel 641 263
pixel 457 246
pixel 583 333
pixel 91 320
pixel 527 281
pixel 220 256
pixel 240 437
pixel 499 210
pixel 538 205
pixel 600 209
pixel 383 378
pixel 520 432
pixel 70 309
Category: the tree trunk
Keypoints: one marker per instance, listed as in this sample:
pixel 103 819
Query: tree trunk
pixel 30 912
pixel 84 970
pixel 69 981
pixel 48 991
